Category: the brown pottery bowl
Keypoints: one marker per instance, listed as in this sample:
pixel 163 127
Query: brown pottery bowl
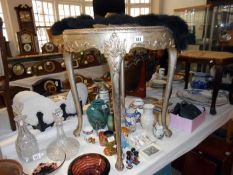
pixel 10 167
pixel 89 164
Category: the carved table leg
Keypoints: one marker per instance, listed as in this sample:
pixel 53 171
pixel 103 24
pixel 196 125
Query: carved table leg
pixel 186 75
pixel 216 87
pixel 70 72
pixel 114 51
pixel 171 70
pixel 123 86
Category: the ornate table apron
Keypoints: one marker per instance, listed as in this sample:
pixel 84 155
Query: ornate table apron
pixel 114 43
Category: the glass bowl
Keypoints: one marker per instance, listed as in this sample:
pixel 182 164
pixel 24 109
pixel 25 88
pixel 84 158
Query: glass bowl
pixel 91 164
pixel 10 167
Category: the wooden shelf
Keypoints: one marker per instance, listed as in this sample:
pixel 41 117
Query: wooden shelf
pixel 29 58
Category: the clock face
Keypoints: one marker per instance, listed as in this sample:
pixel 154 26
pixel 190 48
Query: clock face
pixel 90 58
pixel 49 47
pixel 25 16
pixel 18 69
pixel 26 38
pixel 27 47
pixel 49 66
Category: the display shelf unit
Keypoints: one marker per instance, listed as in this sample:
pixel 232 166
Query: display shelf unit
pixel 31 65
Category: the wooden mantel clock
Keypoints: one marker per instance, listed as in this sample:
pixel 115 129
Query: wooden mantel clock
pixel 26 43
pixel 25 18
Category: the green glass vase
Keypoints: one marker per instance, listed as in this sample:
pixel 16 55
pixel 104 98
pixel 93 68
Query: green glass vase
pixel 98 113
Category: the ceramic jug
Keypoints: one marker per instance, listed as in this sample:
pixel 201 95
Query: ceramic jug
pixel 98 113
pixel 148 119
pixel 137 105
pixel 131 118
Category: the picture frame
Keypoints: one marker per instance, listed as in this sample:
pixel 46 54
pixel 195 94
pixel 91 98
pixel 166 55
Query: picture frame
pixel 149 150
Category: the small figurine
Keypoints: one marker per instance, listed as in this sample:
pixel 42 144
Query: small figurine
pixel 135 156
pixel 124 142
pixel 90 140
pixel 135 160
pixel 125 132
pixel 109 151
pixel 129 160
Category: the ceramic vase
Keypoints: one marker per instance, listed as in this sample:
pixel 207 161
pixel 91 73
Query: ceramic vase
pixel 98 113
pixel 158 131
pixel 148 119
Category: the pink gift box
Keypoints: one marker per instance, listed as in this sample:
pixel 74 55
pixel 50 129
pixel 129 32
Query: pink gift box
pixel 184 124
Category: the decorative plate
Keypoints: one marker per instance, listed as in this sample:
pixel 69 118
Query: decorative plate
pixel 158 83
pixel 43 165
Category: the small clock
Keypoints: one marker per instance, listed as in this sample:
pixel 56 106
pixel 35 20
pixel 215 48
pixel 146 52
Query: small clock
pixel 49 47
pixel 26 43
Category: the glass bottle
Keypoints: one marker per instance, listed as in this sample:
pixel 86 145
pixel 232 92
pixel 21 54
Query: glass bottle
pixel 26 144
pixel 103 92
pixel 62 145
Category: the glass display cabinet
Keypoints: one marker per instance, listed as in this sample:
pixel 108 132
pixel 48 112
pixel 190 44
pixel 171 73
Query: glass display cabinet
pixel 195 17
pixel 212 24
pixel 221 30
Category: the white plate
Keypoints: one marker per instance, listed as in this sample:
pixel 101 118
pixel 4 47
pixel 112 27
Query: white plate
pixel 29 167
pixel 158 83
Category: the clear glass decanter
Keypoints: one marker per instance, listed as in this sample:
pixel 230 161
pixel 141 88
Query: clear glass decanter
pixel 62 144
pixel 26 144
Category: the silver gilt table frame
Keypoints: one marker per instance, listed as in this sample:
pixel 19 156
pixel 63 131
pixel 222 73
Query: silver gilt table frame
pixel 114 42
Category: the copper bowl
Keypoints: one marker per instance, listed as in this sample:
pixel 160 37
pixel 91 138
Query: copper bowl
pixel 10 167
pixel 89 164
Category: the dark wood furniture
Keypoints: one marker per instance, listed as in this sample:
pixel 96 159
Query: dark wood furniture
pixel 33 65
pixel 198 164
pixel 25 18
pixel 219 59
pixel 4 80
pixel 26 41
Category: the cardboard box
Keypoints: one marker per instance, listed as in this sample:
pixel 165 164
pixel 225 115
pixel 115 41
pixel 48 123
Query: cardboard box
pixel 184 124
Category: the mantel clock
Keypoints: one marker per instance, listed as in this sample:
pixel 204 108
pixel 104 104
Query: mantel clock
pixel 26 43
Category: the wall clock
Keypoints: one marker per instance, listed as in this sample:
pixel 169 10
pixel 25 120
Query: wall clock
pixel 49 47
pixel 25 18
pixel 26 43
